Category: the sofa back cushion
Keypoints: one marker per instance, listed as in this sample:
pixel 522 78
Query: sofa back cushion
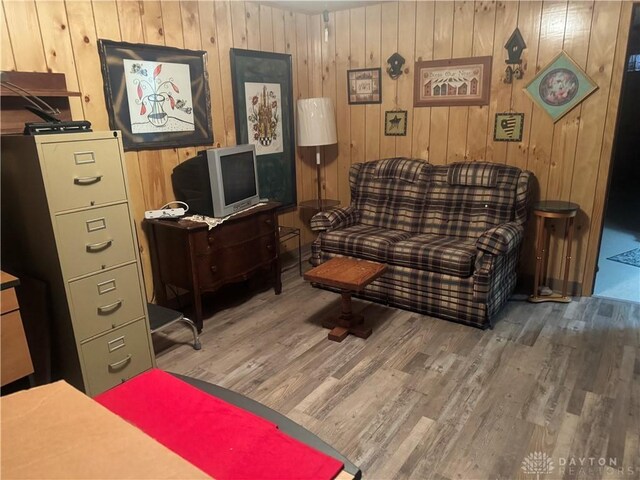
pixel 390 193
pixel 466 199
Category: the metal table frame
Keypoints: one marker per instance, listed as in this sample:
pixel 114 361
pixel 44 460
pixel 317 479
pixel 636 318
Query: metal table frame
pixel 286 234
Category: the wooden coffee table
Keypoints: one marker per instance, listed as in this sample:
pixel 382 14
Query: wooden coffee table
pixel 349 275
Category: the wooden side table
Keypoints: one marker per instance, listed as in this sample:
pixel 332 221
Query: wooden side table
pixel 287 233
pixel 542 211
pixel 350 275
pixel 320 204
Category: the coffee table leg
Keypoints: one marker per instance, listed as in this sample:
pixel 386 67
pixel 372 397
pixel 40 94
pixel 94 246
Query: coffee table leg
pixel 337 334
pixel 347 322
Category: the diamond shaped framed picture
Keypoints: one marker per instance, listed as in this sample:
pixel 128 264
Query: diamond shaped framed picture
pixel 560 86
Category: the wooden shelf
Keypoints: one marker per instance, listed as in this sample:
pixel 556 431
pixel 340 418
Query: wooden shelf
pixel 6 92
pixel 50 87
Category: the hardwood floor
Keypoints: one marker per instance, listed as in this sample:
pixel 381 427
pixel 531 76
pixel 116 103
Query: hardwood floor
pixel 426 398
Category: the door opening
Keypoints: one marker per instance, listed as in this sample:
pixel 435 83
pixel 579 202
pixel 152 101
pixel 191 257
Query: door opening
pixel 618 272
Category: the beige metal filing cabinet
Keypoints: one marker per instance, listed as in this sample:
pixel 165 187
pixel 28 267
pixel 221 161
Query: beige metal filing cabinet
pixel 66 219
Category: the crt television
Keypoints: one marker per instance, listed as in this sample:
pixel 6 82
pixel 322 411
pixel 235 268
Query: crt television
pixel 218 181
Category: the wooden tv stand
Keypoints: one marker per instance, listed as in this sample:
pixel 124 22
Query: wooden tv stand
pixel 188 255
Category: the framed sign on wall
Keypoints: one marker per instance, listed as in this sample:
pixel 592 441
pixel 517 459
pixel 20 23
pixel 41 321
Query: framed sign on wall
pixel 364 86
pixel 453 82
pixel 560 86
pixel 395 123
pixel 263 102
pixel 157 96
pixel 508 127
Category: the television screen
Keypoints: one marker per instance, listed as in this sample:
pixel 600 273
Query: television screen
pixel 238 173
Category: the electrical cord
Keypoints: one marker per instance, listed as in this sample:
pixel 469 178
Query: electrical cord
pixel 186 209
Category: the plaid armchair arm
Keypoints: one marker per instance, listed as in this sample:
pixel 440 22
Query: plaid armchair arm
pixel 334 219
pixel 501 239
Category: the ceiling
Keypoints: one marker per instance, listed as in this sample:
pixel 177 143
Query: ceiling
pixel 311 7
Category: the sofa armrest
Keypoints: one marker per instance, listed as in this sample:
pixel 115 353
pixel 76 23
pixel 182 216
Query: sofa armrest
pixel 501 239
pixel 334 219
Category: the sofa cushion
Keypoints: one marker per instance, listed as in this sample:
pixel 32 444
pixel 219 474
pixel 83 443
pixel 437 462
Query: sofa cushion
pixel 473 175
pixel 362 241
pixel 390 193
pixel 435 253
pixel 466 199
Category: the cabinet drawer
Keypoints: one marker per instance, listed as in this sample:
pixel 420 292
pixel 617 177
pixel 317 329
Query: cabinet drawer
pixel 264 223
pixel 116 357
pixel 237 261
pixel 81 174
pixel 92 240
pixel 105 301
pixel 233 233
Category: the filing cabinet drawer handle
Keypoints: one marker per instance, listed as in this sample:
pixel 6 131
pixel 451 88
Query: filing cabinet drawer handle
pixel 105 309
pixel 98 247
pixel 120 363
pixel 87 180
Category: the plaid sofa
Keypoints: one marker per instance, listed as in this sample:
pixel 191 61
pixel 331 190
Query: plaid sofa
pixel 449 234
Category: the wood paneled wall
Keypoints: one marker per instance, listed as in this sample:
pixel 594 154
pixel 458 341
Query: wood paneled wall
pixel 61 36
pixel 570 159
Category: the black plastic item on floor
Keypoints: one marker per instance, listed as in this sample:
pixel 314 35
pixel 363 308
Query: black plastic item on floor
pixel 162 317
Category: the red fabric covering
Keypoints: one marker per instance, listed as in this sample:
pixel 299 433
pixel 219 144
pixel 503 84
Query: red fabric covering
pixel 222 440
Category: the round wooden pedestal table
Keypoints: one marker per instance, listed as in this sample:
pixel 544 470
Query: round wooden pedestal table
pixel 551 209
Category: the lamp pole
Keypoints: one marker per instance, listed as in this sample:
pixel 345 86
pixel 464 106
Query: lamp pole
pixel 319 181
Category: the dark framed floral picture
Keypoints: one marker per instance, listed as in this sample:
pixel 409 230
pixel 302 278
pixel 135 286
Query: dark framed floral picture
pixel 157 96
pixel 263 103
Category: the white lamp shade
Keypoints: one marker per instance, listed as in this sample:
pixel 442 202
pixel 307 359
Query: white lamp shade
pixel 316 122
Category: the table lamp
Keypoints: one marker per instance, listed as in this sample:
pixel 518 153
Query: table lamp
pixel 316 127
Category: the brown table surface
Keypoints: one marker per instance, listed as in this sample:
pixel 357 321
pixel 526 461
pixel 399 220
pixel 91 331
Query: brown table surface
pixel 346 273
pixel 7 280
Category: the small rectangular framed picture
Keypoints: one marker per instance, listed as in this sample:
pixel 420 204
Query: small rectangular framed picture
pixel 364 86
pixel 395 123
pixel 509 127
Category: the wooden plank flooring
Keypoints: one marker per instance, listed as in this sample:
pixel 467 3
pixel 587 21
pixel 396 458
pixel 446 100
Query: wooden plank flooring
pixel 426 398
